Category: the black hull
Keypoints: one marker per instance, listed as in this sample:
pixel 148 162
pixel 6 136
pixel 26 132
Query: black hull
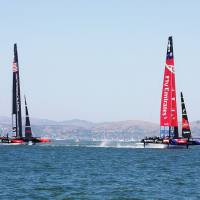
pixel 33 139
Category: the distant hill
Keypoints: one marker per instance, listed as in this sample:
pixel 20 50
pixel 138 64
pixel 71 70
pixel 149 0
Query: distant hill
pixel 81 129
pixel 77 123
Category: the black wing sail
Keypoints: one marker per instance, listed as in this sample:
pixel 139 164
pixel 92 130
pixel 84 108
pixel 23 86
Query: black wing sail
pixel 28 131
pixel 14 106
pixel 16 99
pixel 186 132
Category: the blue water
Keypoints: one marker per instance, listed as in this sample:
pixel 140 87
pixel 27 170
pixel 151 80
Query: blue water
pixel 78 172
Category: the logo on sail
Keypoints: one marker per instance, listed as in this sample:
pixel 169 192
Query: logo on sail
pixel 185 124
pixel 170 68
pixel 165 96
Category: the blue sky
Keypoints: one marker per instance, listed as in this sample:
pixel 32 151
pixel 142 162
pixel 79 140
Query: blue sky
pixel 99 60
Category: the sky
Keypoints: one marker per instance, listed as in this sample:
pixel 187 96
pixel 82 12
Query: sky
pixel 99 60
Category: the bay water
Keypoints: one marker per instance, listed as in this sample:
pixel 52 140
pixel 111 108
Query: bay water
pixel 63 170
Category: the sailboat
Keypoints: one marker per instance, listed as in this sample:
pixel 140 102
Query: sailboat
pixel 28 131
pixel 16 102
pixel 17 135
pixel 169 135
pixel 186 131
pixel 16 105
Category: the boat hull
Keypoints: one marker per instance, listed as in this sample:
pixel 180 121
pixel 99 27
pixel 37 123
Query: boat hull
pixel 16 141
pixel 163 146
pixel 178 143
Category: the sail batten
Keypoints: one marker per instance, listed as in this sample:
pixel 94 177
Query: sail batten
pixel 168 112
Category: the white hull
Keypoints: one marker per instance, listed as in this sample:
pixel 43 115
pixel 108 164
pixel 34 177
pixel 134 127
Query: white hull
pixel 163 146
pixel 2 143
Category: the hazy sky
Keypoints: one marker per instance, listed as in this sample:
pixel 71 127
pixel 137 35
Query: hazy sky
pixel 99 60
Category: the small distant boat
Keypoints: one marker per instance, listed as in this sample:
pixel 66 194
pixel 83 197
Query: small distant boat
pixel 169 136
pixel 60 139
pixel 77 140
pixel 17 137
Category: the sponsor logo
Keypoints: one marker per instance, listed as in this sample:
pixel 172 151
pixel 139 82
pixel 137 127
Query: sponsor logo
pixel 165 96
pixel 170 68
pixel 185 124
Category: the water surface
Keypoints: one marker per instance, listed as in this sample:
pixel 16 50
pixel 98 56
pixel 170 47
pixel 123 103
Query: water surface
pixel 64 171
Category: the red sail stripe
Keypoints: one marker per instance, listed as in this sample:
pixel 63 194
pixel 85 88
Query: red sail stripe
pixel 15 69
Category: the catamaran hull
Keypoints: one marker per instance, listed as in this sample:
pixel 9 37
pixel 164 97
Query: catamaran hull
pixel 163 146
pixel 8 141
pixel 172 144
pixel 13 141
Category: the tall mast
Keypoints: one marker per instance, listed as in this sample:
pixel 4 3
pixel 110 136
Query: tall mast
pixel 16 99
pixel 186 132
pixel 28 131
pixel 168 111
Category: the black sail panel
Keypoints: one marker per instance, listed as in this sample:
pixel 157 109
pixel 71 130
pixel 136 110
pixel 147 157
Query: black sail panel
pixel 16 99
pixel 14 92
pixel 14 107
pixel 186 132
pixel 28 131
